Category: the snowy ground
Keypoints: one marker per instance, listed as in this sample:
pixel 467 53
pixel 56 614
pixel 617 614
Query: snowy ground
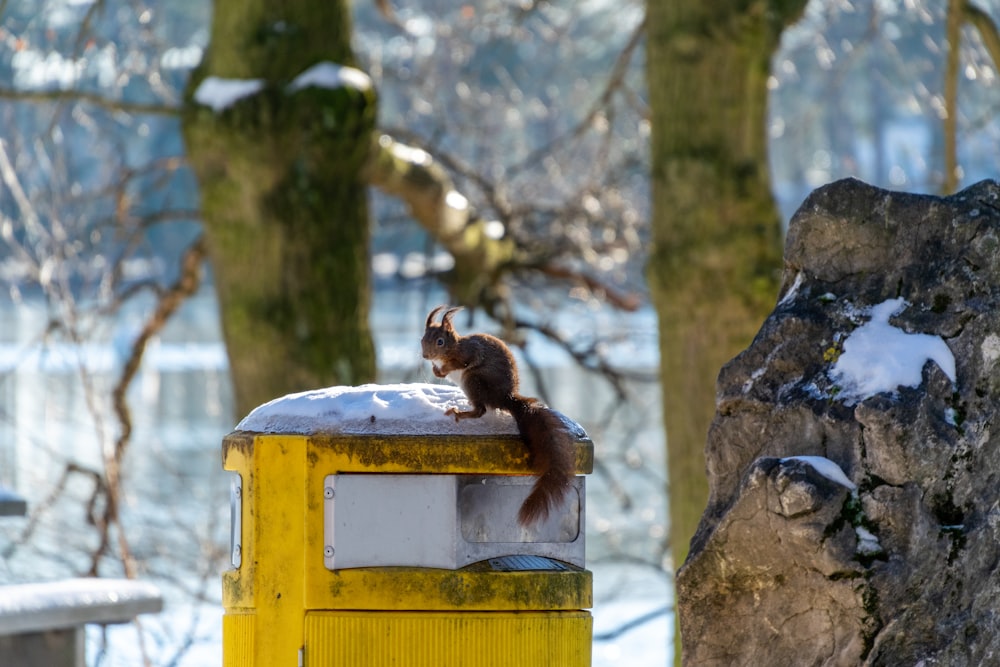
pixel 633 617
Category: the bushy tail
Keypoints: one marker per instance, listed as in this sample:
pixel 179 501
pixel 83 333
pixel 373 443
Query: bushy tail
pixel 552 457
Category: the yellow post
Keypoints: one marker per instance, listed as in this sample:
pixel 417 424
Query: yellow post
pixel 285 604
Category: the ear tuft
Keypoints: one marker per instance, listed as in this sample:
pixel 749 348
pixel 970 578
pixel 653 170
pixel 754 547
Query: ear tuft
pixel 446 318
pixel 430 318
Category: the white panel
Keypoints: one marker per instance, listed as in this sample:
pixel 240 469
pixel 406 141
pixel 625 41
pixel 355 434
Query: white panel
pixel 385 520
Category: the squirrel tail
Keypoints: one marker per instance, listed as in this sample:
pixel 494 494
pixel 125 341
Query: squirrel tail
pixel 552 456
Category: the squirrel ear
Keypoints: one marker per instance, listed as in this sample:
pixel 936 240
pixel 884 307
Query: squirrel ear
pixel 430 318
pixel 448 314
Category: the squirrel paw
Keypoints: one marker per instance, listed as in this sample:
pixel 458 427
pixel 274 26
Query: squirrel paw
pixel 453 412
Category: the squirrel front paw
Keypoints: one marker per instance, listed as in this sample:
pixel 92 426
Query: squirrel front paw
pixel 438 372
pixel 453 412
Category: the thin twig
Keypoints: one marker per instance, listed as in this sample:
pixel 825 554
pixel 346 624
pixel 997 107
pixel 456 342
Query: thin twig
pixel 170 300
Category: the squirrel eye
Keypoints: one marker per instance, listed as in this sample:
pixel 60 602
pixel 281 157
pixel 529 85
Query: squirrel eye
pixel 440 342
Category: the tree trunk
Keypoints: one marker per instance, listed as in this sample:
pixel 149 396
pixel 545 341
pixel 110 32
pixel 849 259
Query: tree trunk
pixel 953 33
pixel 716 256
pixel 283 201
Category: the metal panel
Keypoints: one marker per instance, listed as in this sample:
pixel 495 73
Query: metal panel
pixel 386 520
pixel 488 506
pixel 442 521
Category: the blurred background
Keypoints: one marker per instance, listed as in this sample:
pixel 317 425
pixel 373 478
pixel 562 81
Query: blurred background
pixel 583 176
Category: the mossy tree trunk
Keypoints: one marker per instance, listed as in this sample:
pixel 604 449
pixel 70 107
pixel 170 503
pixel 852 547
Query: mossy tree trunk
pixel 716 260
pixel 283 201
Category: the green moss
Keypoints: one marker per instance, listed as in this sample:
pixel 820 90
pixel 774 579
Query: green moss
pixel 940 303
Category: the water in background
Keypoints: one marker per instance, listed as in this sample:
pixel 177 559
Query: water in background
pixel 55 418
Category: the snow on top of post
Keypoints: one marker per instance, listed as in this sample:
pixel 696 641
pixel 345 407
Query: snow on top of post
pixel 220 94
pixel 878 357
pixel 385 409
pixel 331 75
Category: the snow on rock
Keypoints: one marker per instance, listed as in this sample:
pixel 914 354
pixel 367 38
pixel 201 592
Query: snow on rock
pixel 416 409
pixel 792 291
pixel 331 75
pixel 827 468
pixel 220 94
pixel 991 349
pixel 868 544
pixel 878 357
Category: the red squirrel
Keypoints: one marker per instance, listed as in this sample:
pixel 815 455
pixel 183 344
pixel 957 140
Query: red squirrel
pixel 487 373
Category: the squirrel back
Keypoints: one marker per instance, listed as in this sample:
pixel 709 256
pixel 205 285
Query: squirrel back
pixel 485 369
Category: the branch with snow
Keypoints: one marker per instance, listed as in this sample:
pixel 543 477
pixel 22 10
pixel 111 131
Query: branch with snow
pixel 479 246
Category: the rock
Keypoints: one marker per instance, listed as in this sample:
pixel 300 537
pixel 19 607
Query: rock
pixel 854 520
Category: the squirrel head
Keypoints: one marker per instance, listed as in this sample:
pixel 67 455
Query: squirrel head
pixel 439 338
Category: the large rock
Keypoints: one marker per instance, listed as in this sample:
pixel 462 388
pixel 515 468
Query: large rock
pixel 854 510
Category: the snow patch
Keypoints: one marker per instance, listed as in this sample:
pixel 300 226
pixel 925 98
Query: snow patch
pixel 220 94
pixel 456 200
pixel 868 544
pixel 405 153
pixel 826 468
pixel 879 357
pixel 331 75
pixel 413 409
pixel 792 291
pixel 750 381
pixel 991 349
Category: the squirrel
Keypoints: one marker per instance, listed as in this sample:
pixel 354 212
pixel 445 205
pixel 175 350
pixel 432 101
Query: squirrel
pixel 484 368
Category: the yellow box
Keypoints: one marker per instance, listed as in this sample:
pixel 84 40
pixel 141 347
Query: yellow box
pixel 283 605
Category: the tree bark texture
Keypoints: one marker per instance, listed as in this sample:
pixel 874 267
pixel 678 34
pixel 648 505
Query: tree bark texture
pixel 716 257
pixel 283 200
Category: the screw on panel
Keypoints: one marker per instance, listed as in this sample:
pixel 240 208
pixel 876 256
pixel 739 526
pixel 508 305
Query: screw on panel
pixel 328 492
pixel 328 551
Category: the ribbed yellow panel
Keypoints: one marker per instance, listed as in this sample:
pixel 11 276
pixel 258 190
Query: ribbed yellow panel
pixel 238 639
pixel 440 639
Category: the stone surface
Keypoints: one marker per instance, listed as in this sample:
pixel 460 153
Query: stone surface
pixel 790 566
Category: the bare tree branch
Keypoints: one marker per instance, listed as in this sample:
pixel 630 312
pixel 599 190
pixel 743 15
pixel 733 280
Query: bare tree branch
pixel 75 95
pixel 987 28
pixel 481 249
pixel 616 82
pixel 411 174
pixel 185 286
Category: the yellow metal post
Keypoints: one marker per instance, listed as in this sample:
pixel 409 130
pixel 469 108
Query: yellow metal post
pixel 283 606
